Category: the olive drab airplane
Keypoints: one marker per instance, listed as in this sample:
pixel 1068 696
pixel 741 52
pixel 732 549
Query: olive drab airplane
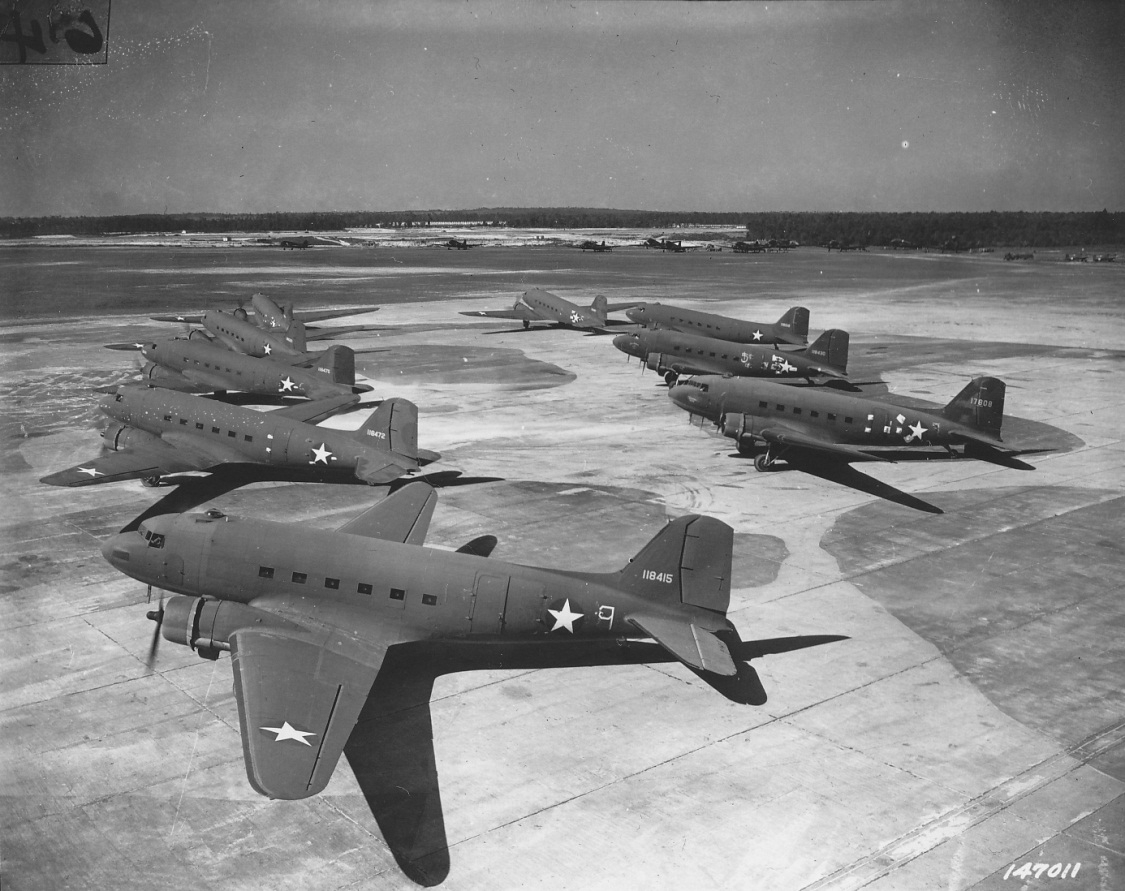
pixel 198 366
pixel 538 305
pixel 308 615
pixel 267 315
pixel 748 247
pixel 672 353
pixel 663 244
pixel 791 328
pixel 454 245
pixel 595 246
pixel 158 432
pixel 810 427
pixel 243 336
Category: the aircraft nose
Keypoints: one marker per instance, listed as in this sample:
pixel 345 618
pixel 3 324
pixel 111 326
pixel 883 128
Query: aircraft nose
pixel 636 314
pixel 627 343
pixel 117 550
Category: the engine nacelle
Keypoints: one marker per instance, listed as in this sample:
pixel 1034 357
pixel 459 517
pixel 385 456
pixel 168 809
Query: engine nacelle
pixel 200 334
pixel 655 361
pixel 158 376
pixel 241 314
pixel 121 436
pixel 206 625
pixel 738 426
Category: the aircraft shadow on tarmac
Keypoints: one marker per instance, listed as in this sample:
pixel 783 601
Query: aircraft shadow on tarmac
pixel 391 749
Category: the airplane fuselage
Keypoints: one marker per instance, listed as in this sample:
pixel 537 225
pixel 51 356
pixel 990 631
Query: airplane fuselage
pixel 663 349
pixel 711 325
pixel 843 418
pixel 229 432
pixel 246 337
pixel 349 583
pixel 195 366
pixel 552 308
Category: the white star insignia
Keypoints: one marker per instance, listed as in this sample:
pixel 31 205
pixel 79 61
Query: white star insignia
pixel 321 454
pixel 786 367
pixel 758 335
pixel 267 349
pixel 916 429
pixel 575 318
pixel 564 618
pixel 90 470
pixel 286 385
pixel 288 731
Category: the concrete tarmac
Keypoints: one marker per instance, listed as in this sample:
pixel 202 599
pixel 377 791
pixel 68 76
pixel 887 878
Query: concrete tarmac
pixel 968 720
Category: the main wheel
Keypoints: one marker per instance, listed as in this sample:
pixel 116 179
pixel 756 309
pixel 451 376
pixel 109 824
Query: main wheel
pixel 150 482
pixel 526 323
pixel 670 378
pixel 763 463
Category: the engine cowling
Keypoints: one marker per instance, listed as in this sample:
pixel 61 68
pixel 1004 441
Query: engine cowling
pixel 655 361
pixel 206 625
pixel 122 436
pixel 738 426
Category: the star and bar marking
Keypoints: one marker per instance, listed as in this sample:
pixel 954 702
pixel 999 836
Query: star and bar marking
pixel 287 385
pixel 321 455
pixel 93 471
pixel 288 731
pixel 565 618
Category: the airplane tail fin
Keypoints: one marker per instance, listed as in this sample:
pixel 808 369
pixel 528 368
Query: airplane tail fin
pixel 296 336
pixel 980 405
pixel 831 348
pixel 600 307
pixel 392 426
pixel 795 322
pixel 688 561
pixel 338 362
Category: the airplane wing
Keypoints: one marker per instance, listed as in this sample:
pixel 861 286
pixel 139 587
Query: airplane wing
pixel 315 412
pixel 696 647
pixel 783 434
pixel 383 468
pixel 298 701
pixel 337 331
pixel 127 464
pixel 615 307
pixel 189 318
pixel 322 315
pixel 520 312
pixel 403 517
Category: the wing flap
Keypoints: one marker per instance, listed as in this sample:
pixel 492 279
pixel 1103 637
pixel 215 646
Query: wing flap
pixel 403 517
pixel 693 645
pixel 297 705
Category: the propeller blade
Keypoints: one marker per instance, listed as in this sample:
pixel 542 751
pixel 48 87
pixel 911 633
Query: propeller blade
pixel 157 616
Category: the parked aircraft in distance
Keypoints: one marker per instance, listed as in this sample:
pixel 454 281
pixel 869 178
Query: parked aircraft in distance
pixel 748 247
pixel 454 245
pixel 818 428
pixel 538 305
pixel 198 366
pixel 845 246
pixel 672 353
pixel 1105 258
pixel 662 244
pixel 294 243
pixel 243 336
pixel 901 244
pixel 159 432
pixel 793 327
pixel 1077 258
pixel 266 313
pixel 597 247
pixel 308 615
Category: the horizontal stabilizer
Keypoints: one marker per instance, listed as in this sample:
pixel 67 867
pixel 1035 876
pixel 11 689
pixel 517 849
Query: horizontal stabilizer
pixel 404 516
pixel 696 647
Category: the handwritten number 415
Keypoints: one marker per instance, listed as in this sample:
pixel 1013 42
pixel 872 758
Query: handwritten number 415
pixel 86 42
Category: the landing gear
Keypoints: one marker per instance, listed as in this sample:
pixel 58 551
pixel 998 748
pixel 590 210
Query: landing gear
pixel 670 378
pixel 526 323
pixel 150 482
pixel 763 462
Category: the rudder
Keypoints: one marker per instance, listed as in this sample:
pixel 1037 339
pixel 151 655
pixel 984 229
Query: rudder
pixel 831 348
pixel 688 561
pixel 980 405
pixel 393 426
pixel 600 307
pixel 338 362
pixel 795 322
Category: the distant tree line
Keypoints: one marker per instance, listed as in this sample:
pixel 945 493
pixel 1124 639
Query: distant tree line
pixel 964 230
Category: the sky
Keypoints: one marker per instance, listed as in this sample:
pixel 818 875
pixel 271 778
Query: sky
pixel 797 106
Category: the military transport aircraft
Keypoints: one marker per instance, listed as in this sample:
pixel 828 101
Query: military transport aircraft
pixel 309 615
pixel 672 353
pixel 596 247
pixel 159 432
pixel 663 244
pixel 538 305
pixel 454 245
pixel 266 313
pixel 198 366
pixel 793 327
pixel 818 429
pixel 748 247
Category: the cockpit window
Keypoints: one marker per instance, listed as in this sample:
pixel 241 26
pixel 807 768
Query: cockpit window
pixel 156 540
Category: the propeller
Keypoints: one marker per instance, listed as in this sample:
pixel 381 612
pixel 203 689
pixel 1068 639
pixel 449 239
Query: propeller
pixel 157 616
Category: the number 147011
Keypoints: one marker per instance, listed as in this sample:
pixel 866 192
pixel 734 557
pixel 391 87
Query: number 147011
pixel 1031 870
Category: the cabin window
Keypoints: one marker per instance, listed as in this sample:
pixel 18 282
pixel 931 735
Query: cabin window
pixel 183 422
pixel 780 407
pixel 398 594
pixel 363 588
pixel 247 437
pixel 265 572
pixel 763 404
pixel 167 417
pixel 232 434
pixel 814 414
pixel 796 410
pixel 429 599
pixel 299 578
pixel 831 416
pixel 215 430
pixel 334 584
pixel 847 420
pixel 712 355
